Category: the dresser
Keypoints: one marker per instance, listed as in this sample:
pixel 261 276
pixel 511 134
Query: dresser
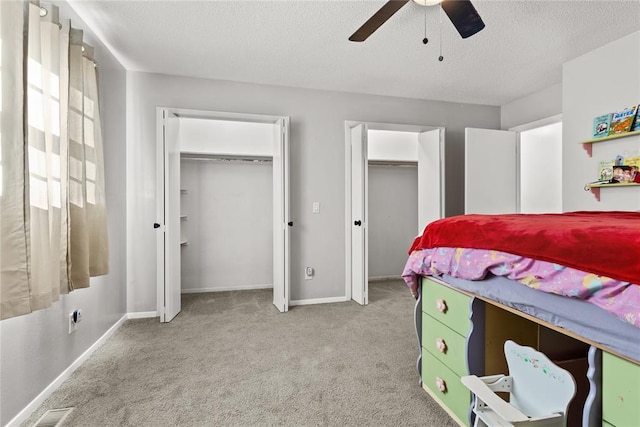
pixel 462 334
pixel 445 327
pixel 620 392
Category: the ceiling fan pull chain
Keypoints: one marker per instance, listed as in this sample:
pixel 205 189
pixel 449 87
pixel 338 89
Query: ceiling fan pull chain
pixel 425 40
pixel 440 58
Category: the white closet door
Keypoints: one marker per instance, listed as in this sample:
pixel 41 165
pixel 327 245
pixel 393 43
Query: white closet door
pixel 430 177
pixel 171 210
pixel 491 171
pixel 281 217
pixel 359 241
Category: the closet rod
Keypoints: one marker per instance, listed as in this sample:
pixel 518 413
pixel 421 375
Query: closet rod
pixel 225 158
pixel 399 163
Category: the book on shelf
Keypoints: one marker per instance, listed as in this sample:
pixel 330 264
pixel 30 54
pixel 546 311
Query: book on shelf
pixel 601 125
pixel 636 123
pixel 621 171
pixel 605 171
pixel 621 121
pixel 633 173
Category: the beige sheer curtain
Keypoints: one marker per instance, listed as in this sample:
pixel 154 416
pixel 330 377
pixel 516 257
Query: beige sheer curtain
pixel 79 241
pixel 64 263
pixel 43 123
pixel 53 215
pixel 94 161
pixel 14 278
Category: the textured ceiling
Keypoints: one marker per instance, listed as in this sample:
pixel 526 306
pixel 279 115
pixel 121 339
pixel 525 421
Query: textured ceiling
pixel 304 44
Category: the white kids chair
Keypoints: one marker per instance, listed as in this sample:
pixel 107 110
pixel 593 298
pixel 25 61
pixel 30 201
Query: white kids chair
pixel 539 391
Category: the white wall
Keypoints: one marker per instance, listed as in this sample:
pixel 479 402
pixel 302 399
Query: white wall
pixel 226 137
pixel 602 81
pixel 541 169
pixel 36 348
pixel 393 215
pixel 317 165
pixel 392 145
pixel 229 227
pixel 537 106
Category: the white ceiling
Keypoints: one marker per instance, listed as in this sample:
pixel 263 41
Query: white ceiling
pixel 305 43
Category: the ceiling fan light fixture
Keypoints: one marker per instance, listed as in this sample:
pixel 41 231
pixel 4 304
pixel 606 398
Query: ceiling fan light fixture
pixel 428 2
pixel 462 14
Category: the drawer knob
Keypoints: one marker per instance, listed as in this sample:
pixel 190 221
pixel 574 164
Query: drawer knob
pixel 441 345
pixel 441 385
pixel 441 305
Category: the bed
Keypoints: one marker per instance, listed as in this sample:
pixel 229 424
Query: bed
pixel 577 273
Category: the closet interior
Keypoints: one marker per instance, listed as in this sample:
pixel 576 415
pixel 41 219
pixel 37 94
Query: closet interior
pixel 392 167
pixel 226 205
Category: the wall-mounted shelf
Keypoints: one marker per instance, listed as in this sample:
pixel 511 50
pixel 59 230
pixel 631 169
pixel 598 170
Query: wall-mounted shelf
pixel 620 184
pixel 610 137
pixel 183 242
pixel 587 145
pixel 595 188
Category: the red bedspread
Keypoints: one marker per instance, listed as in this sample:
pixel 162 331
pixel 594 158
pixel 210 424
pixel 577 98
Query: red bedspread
pixel 604 243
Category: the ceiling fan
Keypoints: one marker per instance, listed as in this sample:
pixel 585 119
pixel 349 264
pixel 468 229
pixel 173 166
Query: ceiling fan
pixel 461 13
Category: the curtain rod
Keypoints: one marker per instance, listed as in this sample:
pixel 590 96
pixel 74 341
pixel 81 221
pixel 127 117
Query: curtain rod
pixel 54 18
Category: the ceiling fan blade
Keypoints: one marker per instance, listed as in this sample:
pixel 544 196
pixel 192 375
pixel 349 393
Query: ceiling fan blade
pixel 378 18
pixel 464 17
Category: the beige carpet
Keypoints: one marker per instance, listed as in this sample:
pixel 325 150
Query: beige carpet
pixel 230 359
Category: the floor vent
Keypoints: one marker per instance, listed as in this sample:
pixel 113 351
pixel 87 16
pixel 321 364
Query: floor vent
pixel 53 417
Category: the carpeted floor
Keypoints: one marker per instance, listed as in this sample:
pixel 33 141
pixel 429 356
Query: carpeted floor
pixel 230 359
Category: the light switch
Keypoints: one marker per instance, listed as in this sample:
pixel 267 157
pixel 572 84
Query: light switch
pixel 316 207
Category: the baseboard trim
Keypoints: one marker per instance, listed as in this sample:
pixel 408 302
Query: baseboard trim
pixel 55 384
pixel 228 288
pixel 384 278
pixel 142 315
pixel 318 301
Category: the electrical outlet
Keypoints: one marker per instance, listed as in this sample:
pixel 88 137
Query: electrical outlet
pixel 308 273
pixel 72 325
pixel 74 318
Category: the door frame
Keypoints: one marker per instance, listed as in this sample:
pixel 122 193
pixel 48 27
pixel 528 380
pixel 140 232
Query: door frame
pixel 538 123
pixel 281 229
pixel 348 125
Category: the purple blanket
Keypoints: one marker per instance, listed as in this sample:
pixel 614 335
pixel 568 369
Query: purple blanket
pixel 619 298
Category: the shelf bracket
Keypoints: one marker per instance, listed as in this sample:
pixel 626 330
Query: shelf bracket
pixel 596 192
pixel 588 148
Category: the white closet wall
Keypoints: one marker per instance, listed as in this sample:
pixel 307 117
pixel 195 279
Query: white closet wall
pixel 228 225
pixel 392 145
pixel 226 137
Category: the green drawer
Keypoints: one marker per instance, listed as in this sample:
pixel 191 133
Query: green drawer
pixel 606 424
pixel 456 397
pixel 454 354
pixel 456 314
pixel 620 391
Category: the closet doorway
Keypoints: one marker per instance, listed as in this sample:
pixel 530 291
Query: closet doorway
pixel 380 146
pixel 210 146
pixel 514 171
pixel 540 152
